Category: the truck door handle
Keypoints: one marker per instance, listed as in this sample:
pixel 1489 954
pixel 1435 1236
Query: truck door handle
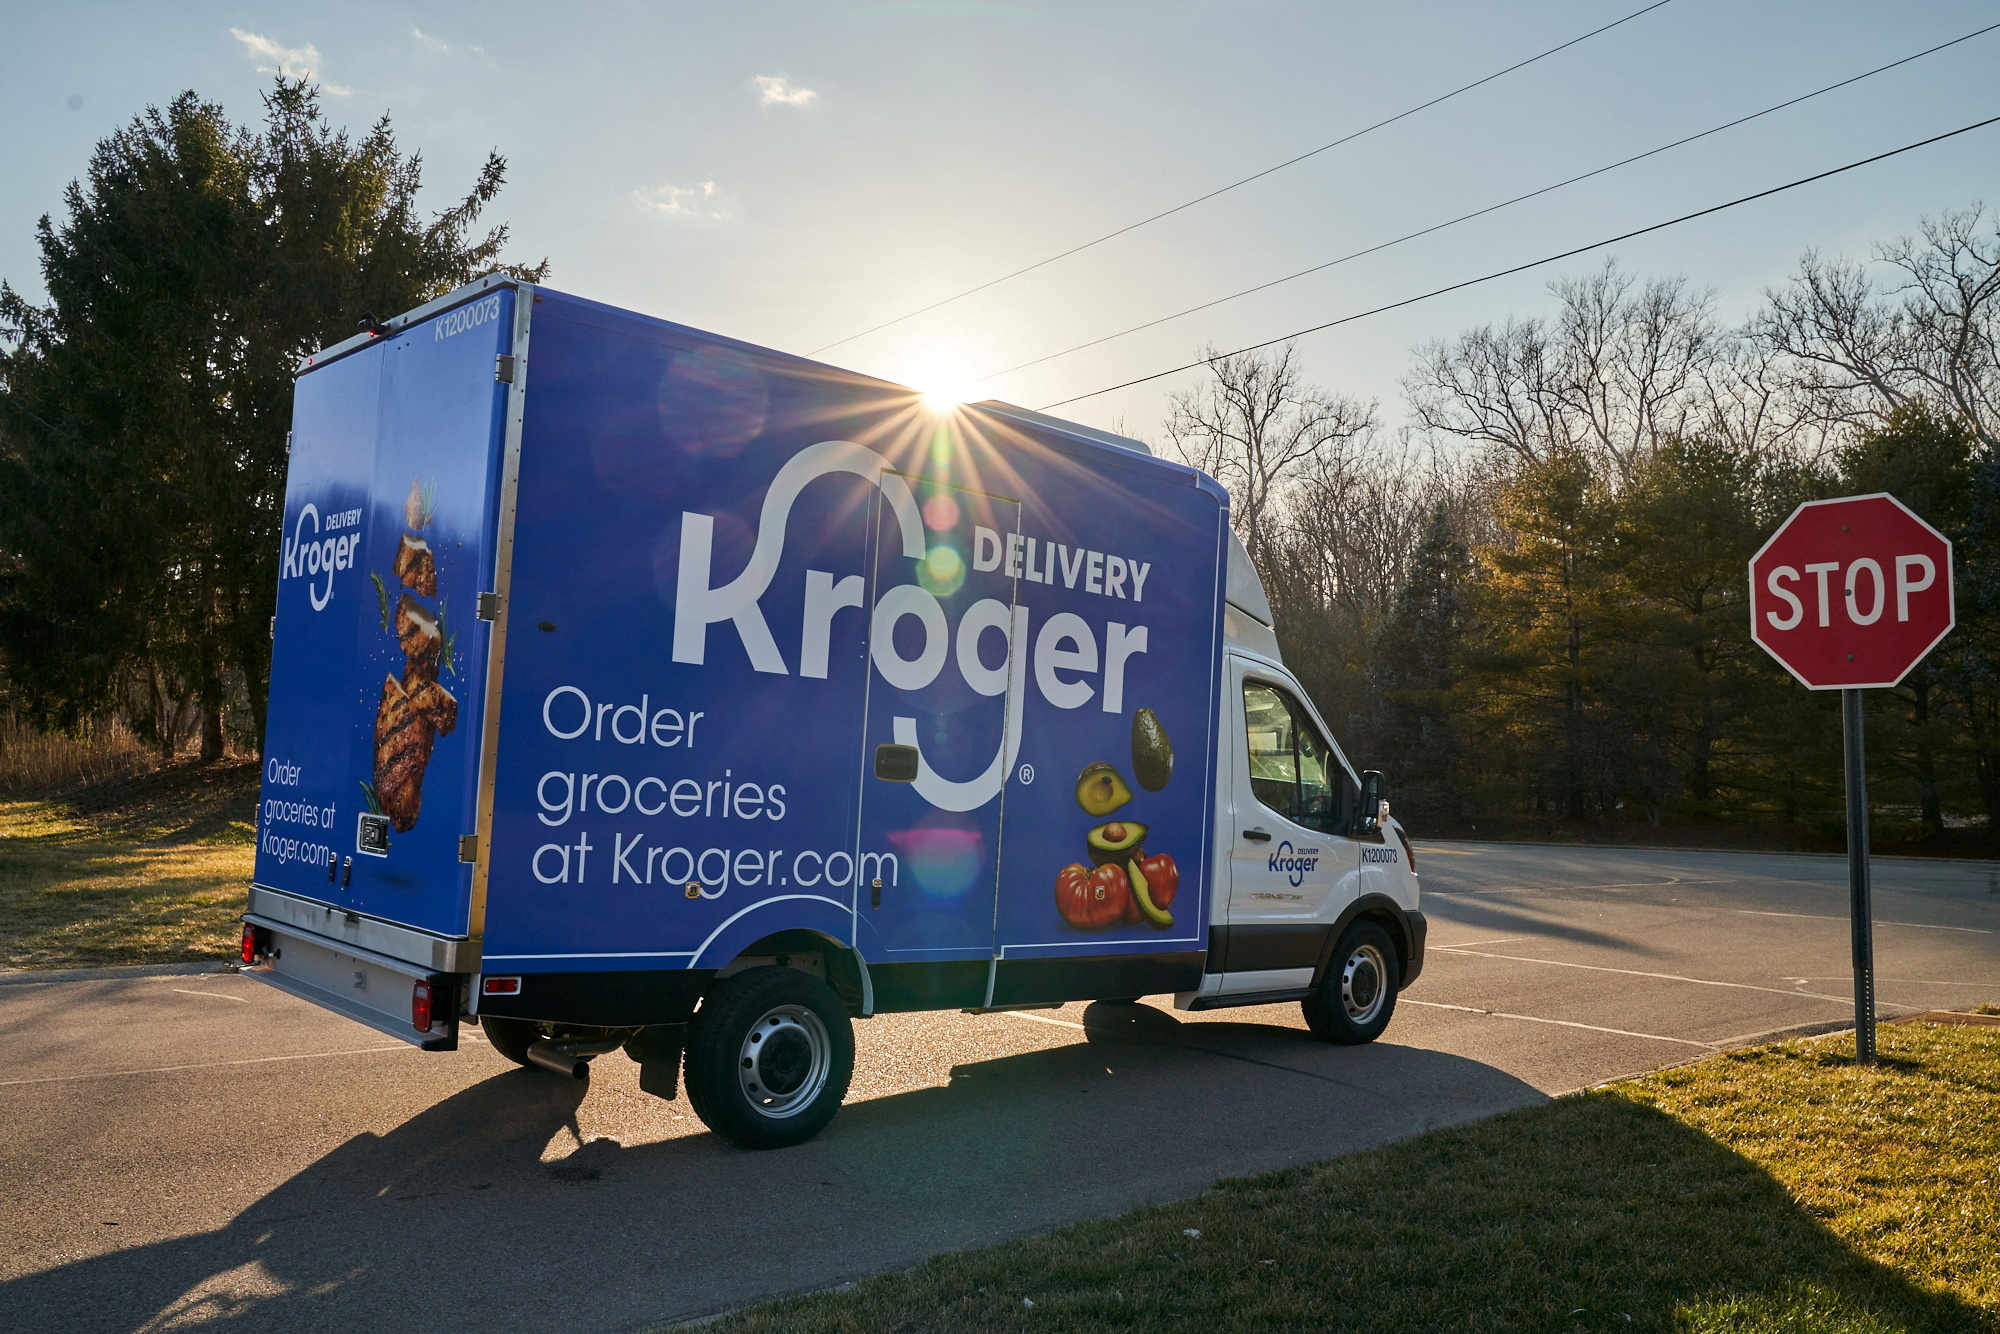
pixel 1256 836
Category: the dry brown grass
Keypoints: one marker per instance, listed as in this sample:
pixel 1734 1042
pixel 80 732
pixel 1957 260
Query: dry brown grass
pixel 144 866
pixel 36 764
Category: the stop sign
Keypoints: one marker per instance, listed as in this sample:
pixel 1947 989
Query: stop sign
pixel 1851 593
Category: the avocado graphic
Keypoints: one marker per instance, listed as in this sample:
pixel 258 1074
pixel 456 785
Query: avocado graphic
pixel 1142 894
pixel 1101 789
pixel 1152 753
pixel 1116 841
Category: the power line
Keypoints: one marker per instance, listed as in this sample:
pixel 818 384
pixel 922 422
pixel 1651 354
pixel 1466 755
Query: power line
pixel 1199 199
pixel 1532 264
pixel 1490 208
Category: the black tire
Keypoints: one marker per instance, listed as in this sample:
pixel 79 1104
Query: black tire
pixel 510 1037
pixel 1356 999
pixel 769 1055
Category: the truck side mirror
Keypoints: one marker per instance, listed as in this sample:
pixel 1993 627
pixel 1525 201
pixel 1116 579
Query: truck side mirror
pixel 1368 815
pixel 896 764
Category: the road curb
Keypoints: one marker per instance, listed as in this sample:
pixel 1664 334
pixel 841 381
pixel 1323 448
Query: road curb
pixel 16 977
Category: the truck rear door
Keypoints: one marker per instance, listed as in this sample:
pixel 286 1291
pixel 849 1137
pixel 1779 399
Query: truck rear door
pixel 378 657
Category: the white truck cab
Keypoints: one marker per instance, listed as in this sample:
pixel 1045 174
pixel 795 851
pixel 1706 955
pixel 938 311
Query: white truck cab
pixel 1301 858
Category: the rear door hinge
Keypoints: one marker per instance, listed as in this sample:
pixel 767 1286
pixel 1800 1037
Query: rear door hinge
pixel 488 608
pixel 468 847
pixel 503 368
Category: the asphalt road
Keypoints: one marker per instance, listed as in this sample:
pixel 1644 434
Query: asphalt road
pixel 185 1152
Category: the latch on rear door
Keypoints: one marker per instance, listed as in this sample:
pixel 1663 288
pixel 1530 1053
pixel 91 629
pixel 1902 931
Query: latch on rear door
pixel 468 847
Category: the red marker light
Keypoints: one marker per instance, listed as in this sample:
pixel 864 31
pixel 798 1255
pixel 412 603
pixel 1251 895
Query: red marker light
pixel 249 943
pixel 420 1006
pixel 500 986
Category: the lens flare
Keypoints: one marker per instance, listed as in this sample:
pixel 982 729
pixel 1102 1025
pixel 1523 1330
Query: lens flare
pixel 941 513
pixel 942 572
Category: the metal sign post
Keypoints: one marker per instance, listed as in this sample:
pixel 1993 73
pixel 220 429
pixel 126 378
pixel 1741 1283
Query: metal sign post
pixel 1849 595
pixel 1862 926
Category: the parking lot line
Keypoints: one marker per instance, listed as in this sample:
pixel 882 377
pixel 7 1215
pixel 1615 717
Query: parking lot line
pixel 1633 972
pixel 1560 1023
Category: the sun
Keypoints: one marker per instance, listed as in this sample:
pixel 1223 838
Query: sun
pixel 944 385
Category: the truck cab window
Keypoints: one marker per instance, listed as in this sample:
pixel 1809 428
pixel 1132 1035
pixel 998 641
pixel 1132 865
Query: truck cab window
pixel 1291 767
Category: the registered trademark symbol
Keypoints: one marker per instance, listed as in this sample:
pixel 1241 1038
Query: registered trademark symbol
pixel 1027 773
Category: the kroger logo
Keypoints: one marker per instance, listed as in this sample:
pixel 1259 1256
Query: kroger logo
pixel 1293 862
pixel 311 554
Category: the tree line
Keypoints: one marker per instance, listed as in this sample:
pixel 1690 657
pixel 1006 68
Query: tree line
pixel 1525 601
pixel 1529 601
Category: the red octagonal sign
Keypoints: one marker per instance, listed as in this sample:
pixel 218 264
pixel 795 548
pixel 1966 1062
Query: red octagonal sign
pixel 1851 593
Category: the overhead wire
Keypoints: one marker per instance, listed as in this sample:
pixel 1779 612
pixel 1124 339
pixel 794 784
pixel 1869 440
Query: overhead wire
pixel 1532 264
pixel 1254 176
pixel 1490 208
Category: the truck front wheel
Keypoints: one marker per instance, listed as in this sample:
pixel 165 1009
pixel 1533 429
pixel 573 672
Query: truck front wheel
pixel 1357 997
pixel 769 1055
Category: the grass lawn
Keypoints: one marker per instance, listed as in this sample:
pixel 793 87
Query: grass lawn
pixel 1777 1189
pixel 150 869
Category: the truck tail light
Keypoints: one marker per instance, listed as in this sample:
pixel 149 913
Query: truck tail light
pixel 420 1007
pixel 500 986
pixel 256 942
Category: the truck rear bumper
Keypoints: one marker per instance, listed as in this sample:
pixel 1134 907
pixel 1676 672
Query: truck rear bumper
pixel 361 985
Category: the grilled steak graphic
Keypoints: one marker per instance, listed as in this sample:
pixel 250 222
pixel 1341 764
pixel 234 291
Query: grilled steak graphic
pixel 438 706
pixel 417 631
pixel 403 737
pixel 415 565
pixel 415 710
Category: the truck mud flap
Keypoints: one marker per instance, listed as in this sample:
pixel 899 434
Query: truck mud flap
pixel 368 988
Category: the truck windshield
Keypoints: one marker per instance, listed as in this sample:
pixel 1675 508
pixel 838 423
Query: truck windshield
pixel 1289 769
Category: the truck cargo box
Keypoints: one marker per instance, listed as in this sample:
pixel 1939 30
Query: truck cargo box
pixel 606 648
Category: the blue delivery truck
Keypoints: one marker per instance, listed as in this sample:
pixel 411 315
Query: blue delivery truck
pixel 637 688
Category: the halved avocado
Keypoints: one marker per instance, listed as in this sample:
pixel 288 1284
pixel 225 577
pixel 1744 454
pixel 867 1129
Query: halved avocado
pixel 1142 894
pixel 1101 789
pixel 1116 841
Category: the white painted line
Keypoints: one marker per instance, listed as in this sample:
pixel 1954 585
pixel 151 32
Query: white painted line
pixel 1561 1023
pixel 1038 1018
pixel 1548 888
pixel 1469 943
pixel 214 995
pixel 1820 917
pixel 1663 977
pixel 1430 851
pixel 204 1065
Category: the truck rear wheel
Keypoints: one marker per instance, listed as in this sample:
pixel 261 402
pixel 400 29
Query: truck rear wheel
pixel 510 1037
pixel 769 1055
pixel 1356 999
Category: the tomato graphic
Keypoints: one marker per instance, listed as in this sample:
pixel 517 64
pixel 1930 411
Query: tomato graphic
pixel 1091 900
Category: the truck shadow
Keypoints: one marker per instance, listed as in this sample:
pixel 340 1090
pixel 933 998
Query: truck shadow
pixel 488 1207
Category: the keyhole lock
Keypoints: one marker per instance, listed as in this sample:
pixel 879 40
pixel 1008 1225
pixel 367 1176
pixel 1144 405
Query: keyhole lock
pixel 875 894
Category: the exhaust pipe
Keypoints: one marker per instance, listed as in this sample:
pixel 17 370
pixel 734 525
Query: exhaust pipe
pixel 570 1056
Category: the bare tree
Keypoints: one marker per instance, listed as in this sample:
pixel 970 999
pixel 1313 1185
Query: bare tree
pixel 1855 352
pixel 1256 427
pixel 1621 367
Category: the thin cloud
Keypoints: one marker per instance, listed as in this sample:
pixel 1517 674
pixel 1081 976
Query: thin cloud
pixel 436 44
pixel 294 62
pixel 775 90
pixel 694 203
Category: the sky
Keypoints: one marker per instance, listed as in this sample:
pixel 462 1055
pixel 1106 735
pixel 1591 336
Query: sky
pixel 792 174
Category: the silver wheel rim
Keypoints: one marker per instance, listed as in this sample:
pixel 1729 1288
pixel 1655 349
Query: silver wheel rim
pixel 784 1061
pixel 1364 982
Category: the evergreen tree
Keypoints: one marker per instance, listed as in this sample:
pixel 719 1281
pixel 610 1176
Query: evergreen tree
pixel 144 407
pixel 1418 662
